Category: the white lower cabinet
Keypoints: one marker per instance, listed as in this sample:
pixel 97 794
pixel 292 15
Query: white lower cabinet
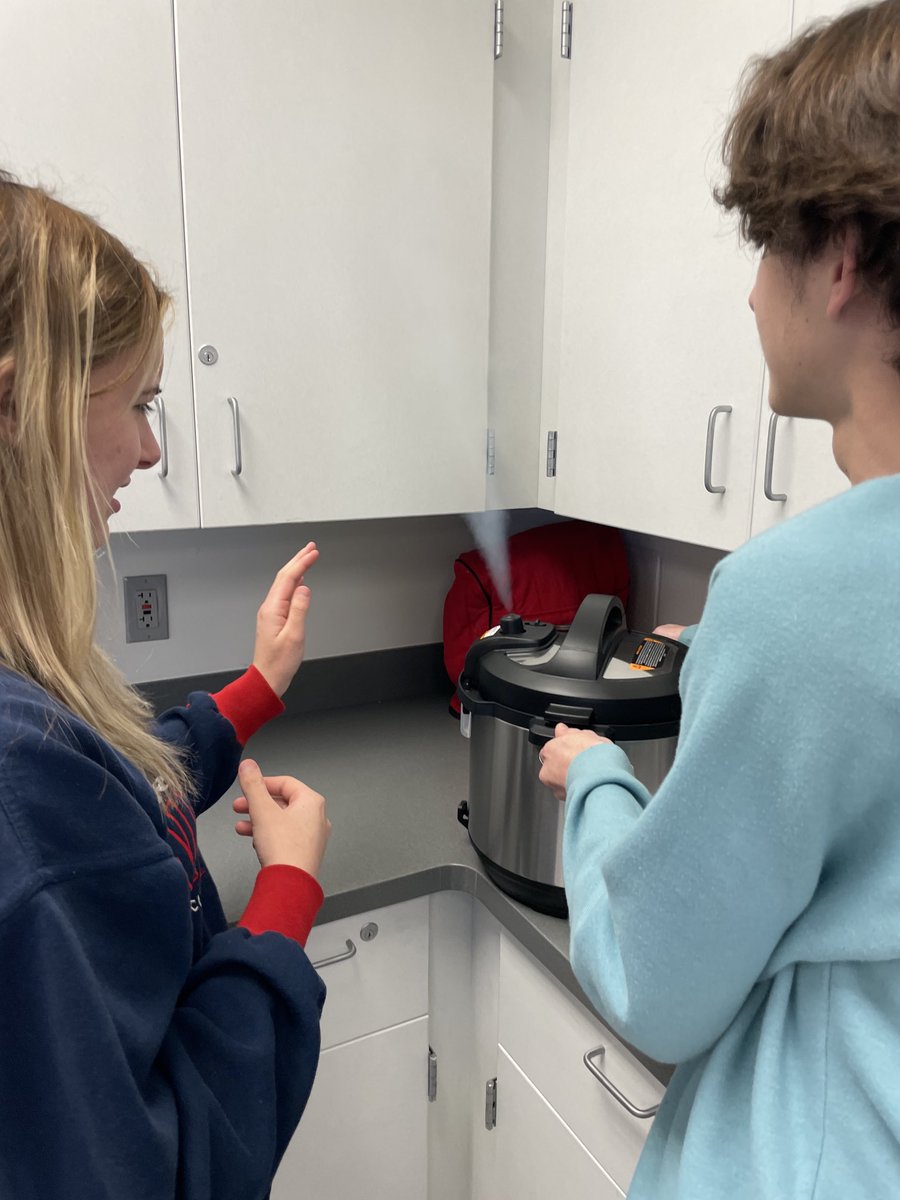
pixel 364 1130
pixel 547 1034
pixel 440 974
pixel 537 1155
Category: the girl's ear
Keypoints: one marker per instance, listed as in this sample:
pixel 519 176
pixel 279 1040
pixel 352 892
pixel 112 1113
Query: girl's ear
pixel 7 404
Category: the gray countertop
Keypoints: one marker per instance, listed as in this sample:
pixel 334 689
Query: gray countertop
pixel 393 775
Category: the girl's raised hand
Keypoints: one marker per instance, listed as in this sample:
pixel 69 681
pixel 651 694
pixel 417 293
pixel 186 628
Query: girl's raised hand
pixel 281 622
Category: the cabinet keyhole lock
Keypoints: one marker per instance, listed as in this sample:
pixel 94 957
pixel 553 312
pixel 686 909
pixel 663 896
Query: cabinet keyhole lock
pixel 368 932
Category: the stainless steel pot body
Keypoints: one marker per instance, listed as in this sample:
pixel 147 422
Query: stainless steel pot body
pixel 514 821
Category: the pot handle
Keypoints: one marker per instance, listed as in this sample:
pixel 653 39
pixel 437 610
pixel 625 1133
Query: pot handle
pixel 597 619
pixel 540 732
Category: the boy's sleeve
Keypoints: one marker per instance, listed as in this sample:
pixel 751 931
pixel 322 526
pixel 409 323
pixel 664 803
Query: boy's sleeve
pixel 677 902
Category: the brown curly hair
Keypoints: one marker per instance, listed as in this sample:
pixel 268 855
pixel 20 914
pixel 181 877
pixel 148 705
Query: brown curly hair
pixel 813 147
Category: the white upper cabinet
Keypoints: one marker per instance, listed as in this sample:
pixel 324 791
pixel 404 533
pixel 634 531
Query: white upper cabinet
pixel 795 469
pixel 795 465
pixel 88 96
pixel 806 11
pixel 654 329
pixel 337 173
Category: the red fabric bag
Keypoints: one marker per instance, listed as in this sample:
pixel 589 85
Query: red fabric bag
pixel 552 569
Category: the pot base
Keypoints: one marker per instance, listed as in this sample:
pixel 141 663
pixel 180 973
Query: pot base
pixel 542 897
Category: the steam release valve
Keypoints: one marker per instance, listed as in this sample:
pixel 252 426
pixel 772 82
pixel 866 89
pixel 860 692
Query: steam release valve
pixel 512 624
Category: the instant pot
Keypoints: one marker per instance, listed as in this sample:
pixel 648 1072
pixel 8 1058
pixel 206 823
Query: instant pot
pixel 518 682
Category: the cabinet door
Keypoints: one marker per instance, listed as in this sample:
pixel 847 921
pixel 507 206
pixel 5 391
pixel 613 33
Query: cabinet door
pixel 655 330
pixel 806 11
pixel 88 94
pixel 537 1155
pixel 364 1129
pixel 337 168
pixel 795 470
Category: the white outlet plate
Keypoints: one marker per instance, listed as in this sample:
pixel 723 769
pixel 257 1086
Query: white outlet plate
pixel 146 608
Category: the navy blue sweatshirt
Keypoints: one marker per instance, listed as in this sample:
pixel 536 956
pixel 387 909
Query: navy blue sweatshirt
pixel 147 1051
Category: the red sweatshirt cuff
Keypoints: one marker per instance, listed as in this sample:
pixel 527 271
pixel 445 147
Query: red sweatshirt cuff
pixel 248 703
pixel 285 900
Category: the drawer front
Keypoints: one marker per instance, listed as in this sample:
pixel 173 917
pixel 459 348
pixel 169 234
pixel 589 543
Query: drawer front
pixel 547 1033
pixel 537 1155
pixel 384 982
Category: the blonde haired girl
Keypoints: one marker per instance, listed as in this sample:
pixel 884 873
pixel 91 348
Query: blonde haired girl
pixel 148 1050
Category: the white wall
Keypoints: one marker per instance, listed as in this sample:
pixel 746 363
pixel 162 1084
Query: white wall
pixel 379 585
pixel 669 580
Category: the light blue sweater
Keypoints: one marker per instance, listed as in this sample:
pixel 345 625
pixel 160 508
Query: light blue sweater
pixel 745 922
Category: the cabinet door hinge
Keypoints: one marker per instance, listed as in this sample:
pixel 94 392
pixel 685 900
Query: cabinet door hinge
pixel 490 1104
pixel 565 36
pixel 432 1074
pixel 551 454
pixel 491 460
pixel 498 28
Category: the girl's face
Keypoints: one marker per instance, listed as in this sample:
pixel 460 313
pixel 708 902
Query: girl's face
pixel 119 438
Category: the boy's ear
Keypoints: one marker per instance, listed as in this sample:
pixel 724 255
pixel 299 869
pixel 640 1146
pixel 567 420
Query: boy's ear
pixel 7 404
pixel 844 273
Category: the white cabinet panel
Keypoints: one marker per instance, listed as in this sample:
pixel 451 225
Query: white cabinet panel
pixel 531 1000
pixel 364 1130
pixel 796 466
pixel 337 164
pixel 655 331
pixel 810 10
pixel 537 1155
pixel 385 982
pixel 88 97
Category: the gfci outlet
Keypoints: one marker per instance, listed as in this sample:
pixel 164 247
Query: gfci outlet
pixel 146 608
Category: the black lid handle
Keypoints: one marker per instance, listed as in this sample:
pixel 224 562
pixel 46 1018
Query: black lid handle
pixel 597 619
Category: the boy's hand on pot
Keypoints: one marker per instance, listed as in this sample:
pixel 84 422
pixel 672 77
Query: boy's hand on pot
pixel 556 756
pixel 670 631
pixel 285 818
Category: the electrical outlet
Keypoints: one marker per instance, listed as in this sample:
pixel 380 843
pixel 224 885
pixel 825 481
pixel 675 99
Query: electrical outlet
pixel 146 608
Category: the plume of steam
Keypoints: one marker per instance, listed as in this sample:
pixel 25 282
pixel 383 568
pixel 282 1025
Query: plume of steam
pixel 489 529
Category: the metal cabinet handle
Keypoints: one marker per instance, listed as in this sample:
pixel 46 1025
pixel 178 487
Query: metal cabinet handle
pixel 236 419
pixel 710 438
pixel 163 438
pixel 328 962
pixel 770 462
pixel 642 1114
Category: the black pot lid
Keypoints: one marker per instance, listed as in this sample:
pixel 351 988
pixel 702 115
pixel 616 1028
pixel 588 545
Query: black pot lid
pixel 598 668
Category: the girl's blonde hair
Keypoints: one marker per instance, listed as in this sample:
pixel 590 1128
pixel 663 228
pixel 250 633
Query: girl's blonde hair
pixel 72 298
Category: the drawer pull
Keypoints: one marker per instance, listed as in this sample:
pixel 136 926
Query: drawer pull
pixel 770 463
pixel 236 430
pixel 336 958
pixel 163 438
pixel 710 438
pixel 641 1113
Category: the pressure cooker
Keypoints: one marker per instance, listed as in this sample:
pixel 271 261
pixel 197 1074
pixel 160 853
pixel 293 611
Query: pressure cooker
pixel 518 682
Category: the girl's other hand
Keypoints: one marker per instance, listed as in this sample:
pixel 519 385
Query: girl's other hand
pixel 285 818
